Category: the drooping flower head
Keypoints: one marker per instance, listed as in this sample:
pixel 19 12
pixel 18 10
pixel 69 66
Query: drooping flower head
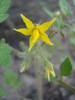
pixel 49 72
pixel 35 31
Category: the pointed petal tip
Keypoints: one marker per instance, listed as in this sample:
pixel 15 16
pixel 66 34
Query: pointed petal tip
pixel 21 14
pixel 51 44
pixel 29 49
pixel 54 19
pixel 14 29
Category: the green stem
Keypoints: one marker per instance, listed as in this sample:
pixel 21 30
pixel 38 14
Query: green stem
pixel 66 85
pixel 39 78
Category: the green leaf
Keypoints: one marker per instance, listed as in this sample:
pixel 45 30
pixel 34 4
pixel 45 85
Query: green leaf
pixel 2 93
pixel 4 5
pixel 5 57
pixel 3 17
pixel 65 7
pixel 66 67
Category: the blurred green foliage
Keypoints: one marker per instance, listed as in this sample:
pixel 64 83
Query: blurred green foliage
pixel 9 76
pixel 65 7
pixel 11 79
pixel 48 12
pixel 73 2
pixel 2 93
pixel 5 54
pixel 72 35
pixel 4 5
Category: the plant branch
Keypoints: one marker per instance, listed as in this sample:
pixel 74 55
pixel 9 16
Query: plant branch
pixel 66 85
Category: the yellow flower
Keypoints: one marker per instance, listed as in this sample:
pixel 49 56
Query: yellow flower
pixel 49 72
pixel 35 31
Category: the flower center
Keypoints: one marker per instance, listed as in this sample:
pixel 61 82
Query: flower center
pixel 35 28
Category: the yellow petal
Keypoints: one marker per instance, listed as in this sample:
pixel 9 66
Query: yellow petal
pixel 28 23
pixel 23 31
pixel 44 37
pixel 44 27
pixel 34 38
